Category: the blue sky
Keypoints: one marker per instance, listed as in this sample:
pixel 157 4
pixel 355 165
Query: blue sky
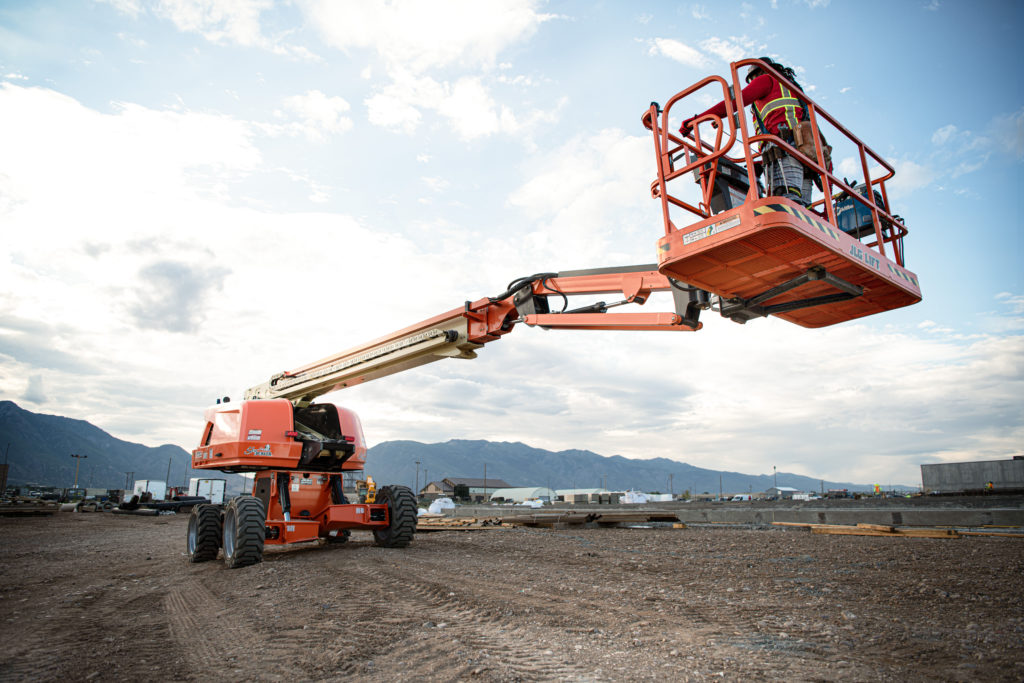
pixel 195 194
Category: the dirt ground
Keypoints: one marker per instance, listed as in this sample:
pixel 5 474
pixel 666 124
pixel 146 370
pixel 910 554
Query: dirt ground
pixel 104 597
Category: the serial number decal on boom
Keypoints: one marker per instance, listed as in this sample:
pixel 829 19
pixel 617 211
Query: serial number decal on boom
pixel 708 231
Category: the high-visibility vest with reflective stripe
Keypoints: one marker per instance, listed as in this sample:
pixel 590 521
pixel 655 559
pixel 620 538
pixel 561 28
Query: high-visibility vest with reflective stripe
pixel 785 101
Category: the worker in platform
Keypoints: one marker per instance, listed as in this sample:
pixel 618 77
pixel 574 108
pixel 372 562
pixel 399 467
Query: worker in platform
pixel 775 111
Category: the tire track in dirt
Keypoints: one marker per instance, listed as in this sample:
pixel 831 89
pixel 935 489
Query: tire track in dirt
pixel 213 635
pixel 476 636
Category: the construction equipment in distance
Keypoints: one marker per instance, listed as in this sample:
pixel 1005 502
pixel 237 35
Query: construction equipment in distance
pixel 747 256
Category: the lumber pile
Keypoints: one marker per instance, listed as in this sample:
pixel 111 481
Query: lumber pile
pixel 551 520
pixel 875 530
pixel 27 509
pixel 442 523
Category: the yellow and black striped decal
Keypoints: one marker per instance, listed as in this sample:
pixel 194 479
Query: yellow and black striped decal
pixel 855 250
pixel 802 216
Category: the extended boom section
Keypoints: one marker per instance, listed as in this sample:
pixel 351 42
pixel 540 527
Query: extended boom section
pixel 460 332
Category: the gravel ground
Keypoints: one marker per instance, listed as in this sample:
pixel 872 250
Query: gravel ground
pixel 97 596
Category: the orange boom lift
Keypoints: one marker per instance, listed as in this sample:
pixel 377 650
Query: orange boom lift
pixel 746 256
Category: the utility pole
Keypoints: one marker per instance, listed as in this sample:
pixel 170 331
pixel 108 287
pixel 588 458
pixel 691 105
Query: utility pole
pixel 417 489
pixel 719 487
pixel 78 461
pixel 776 473
pixel 485 482
pixel 129 478
pixel 671 492
pixel 168 480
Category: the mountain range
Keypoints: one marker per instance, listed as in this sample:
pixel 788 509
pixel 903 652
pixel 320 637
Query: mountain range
pixel 38 448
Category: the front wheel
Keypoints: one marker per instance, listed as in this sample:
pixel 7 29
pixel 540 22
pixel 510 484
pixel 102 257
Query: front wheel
pixel 204 533
pixel 244 532
pixel 401 517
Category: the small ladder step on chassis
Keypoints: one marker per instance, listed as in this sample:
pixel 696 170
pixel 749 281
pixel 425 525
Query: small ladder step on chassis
pixel 746 256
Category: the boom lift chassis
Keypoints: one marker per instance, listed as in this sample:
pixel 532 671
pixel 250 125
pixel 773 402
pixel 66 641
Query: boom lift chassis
pixel 745 261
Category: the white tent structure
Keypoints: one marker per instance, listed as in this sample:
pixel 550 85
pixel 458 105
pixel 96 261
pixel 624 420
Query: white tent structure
pixel 522 494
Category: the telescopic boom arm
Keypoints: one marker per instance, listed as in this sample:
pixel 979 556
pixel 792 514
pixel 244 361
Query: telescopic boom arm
pixel 459 332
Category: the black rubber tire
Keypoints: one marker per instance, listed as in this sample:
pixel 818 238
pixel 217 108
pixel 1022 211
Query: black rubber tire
pixel 244 532
pixel 204 533
pixel 342 537
pixel 401 517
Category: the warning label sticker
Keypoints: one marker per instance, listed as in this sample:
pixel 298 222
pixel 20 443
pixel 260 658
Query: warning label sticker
pixel 709 230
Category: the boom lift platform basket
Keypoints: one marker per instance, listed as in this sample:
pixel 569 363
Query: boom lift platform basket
pixel 768 255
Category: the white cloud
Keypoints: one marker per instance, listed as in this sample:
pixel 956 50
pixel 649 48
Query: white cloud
pixel 34 391
pixel 39 124
pixel 700 13
pixel 942 135
pixel 130 7
pixel 674 49
pixel 730 49
pixel 218 21
pixel 319 113
pixel 1009 129
pixel 466 104
pixel 416 36
pixel 909 176
pixel 680 52
pixel 236 21
pixel 588 197
pixel 436 184
pixel 392 108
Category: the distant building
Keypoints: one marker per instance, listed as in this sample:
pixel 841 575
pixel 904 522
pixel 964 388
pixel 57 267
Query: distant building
pixel 583 496
pixel 954 477
pixel 781 492
pixel 480 490
pixel 524 493
pixel 436 489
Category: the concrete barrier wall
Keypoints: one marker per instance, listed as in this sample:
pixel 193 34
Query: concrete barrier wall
pixel 966 476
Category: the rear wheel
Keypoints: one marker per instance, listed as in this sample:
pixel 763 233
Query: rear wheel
pixel 204 533
pixel 244 532
pixel 401 517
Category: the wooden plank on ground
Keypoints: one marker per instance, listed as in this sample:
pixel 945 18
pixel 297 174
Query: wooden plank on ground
pixel 838 529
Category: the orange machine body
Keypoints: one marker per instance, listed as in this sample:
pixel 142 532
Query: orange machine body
pixel 257 435
pixel 315 512
pixel 299 455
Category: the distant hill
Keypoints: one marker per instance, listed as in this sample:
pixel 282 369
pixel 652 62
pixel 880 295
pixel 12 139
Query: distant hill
pixel 41 445
pixel 522 465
